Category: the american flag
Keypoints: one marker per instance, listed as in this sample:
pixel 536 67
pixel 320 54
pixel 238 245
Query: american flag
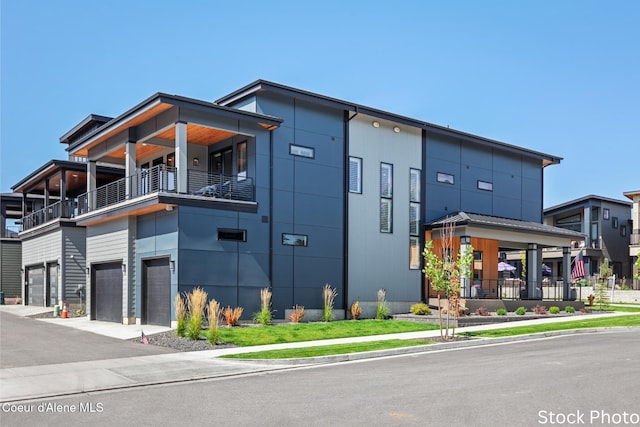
pixel 578 266
pixel 144 339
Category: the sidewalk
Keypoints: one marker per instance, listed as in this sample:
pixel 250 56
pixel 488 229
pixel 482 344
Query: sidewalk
pixel 37 382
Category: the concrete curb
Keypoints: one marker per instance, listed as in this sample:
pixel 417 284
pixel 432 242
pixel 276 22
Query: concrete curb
pixel 423 348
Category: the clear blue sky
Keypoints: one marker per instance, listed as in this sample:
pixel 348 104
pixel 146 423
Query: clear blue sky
pixel 560 77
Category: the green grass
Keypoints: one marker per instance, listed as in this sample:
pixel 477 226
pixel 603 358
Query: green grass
pixel 631 320
pixel 625 309
pixel 327 350
pixel 262 335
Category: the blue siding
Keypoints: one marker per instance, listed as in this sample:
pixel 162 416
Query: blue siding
pixel 517 181
pixel 308 198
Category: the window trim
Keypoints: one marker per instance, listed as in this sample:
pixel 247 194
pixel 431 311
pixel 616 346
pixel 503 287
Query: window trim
pixel 389 167
pixel 443 178
pixel 290 239
pixel 300 153
pixel 614 222
pixel 226 234
pixel 605 214
pixel 389 203
pixel 485 185
pixel 418 178
pixel 415 239
pixel 358 178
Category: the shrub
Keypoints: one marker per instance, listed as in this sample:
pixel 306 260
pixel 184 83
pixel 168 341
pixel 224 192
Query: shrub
pixel 264 316
pixel 181 315
pixel 297 314
pixel 539 309
pixel 213 316
pixel 501 312
pixel 232 315
pixel 554 309
pixel 328 295
pixel 585 310
pixel 482 311
pixel 520 311
pixel 196 301
pixel 569 309
pixel 420 309
pixel 355 310
pixel 382 309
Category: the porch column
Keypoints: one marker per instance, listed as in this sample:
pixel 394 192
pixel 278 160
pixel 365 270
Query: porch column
pixel 130 170
pixel 534 270
pixel 566 273
pixel 65 211
pixel 586 226
pixel 181 157
pixel 91 184
pixel 3 220
pixel 46 192
pixel 465 285
pixel 25 206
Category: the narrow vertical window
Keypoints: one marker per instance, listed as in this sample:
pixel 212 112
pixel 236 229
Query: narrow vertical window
pixel 355 175
pixel 386 198
pixel 414 219
pixel 242 160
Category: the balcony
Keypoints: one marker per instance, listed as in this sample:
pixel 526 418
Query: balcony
pixel 635 239
pixel 62 209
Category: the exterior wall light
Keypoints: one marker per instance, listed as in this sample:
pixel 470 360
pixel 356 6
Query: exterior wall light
pixel 196 161
pixel 396 129
pixel 375 124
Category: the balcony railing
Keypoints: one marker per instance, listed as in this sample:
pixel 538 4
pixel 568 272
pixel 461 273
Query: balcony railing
pixel 232 187
pixel 145 181
pixel 635 239
pixel 62 209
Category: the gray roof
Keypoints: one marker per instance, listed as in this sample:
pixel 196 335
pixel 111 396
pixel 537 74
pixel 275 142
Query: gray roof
pixel 464 218
pixel 583 200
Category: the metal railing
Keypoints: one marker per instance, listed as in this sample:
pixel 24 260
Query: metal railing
pixel 232 187
pixel 160 178
pixel 515 289
pixel 635 238
pixel 61 209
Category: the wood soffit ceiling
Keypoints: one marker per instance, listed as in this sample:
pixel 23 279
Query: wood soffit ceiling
pixel 196 134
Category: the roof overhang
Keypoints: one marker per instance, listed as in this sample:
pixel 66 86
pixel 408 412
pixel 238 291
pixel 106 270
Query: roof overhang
pixel 512 233
pixel 153 107
pixel 262 86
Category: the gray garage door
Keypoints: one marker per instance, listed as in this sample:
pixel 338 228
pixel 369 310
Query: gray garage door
pixel 156 292
pixel 35 286
pixel 106 292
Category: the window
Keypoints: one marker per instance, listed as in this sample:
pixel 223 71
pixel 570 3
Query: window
pixel 232 234
pixel 605 214
pixel 595 212
pixel 414 219
pixel 242 160
pixel 623 231
pixel 484 185
pixel 294 239
pixel 414 185
pixel 446 178
pixel 386 198
pixel 614 222
pixel 386 180
pixel 300 151
pixel 414 253
pixel 386 214
pixel 355 175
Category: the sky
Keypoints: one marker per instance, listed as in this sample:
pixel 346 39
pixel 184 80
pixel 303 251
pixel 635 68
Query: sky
pixel 561 77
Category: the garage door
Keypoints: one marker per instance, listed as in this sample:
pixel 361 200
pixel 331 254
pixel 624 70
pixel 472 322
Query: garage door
pixel 106 292
pixel 35 286
pixel 156 292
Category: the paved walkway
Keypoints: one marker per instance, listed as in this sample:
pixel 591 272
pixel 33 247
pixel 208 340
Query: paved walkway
pixel 104 373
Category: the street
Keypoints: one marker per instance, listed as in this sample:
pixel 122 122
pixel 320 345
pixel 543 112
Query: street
pixel 583 379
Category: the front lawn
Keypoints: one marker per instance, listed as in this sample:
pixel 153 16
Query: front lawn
pixel 297 332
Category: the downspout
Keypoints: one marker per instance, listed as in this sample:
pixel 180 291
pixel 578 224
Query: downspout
pixel 422 226
pixel 345 213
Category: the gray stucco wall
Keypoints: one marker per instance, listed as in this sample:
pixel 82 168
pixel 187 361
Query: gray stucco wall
pixel 517 181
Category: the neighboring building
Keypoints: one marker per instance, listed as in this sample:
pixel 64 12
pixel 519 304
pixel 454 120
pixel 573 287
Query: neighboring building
pixel 272 186
pixel 634 244
pixel 606 226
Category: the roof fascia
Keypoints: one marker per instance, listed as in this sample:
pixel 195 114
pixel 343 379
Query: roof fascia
pixel 263 85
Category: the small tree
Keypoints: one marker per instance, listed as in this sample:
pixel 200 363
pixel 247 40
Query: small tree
pixel 444 273
pixel 637 276
pixel 600 291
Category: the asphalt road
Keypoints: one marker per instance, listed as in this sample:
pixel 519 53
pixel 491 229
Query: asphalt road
pixel 30 342
pixel 529 383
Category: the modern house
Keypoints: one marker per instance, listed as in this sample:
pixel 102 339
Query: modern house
pixel 606 226
pixel 273 186
pixel 634 244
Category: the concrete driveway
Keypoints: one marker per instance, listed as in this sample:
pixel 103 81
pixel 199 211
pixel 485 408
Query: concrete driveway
pixel 30 342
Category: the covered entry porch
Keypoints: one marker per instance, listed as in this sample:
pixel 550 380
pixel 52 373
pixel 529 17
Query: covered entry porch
pixel 507 257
